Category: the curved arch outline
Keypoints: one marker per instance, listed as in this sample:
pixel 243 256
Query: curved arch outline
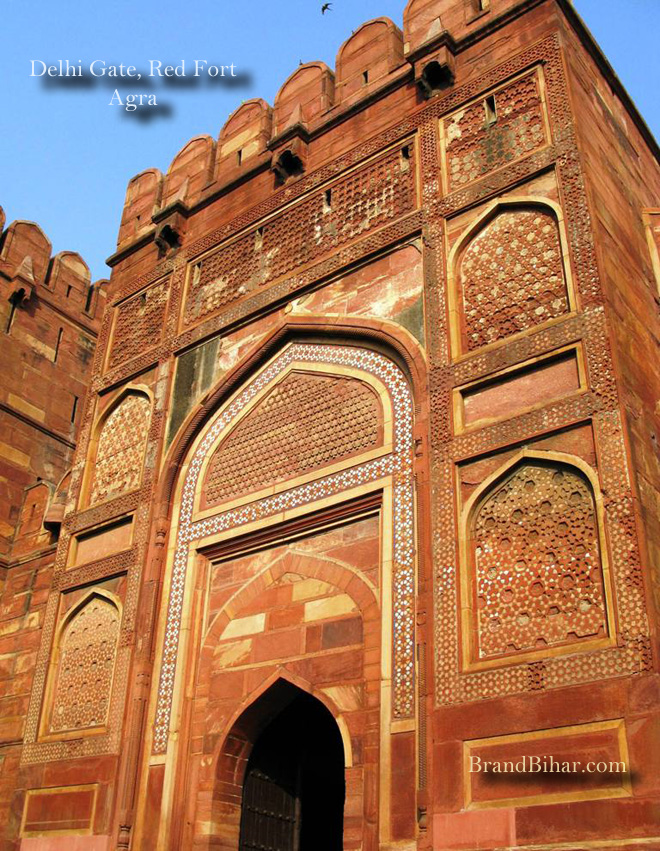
pixel 382 448
pixel 283 675
pixel 92 450
pixel 231 755
pixel 54 664
pixel 454 295
pixel 398 343
pixel 466 572
pixel 267 577
pixel 395 358
pixel 211 529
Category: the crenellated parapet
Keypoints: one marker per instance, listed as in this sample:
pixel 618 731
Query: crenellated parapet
pixel 142 201
pixel 25 254
pixel 376 58
pixel 306 95
pixel 367 58
pixel 28 270
pixel 189 173
pixel 244 139
pixel 50 315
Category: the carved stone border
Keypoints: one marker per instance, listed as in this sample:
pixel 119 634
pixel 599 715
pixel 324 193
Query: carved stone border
pixel 599 405
pixel 398 465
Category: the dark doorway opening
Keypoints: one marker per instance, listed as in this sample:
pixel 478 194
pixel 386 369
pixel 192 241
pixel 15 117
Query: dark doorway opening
pixel 293 792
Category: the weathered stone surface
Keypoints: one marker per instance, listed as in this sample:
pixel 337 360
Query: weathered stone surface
pixel 373 423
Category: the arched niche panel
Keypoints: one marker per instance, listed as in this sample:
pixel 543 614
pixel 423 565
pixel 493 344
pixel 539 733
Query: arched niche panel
pixel 306 422
pixel 121 438
pixel 83 667
pixel 390 466
pixel 510 272
pixel 537 561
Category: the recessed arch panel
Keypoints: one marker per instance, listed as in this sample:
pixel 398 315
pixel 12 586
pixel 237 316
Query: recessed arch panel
pixel 510 272
pixel 537 575
pixel 306 422
pixel 83 667
pixel 119 446
pixel 392 467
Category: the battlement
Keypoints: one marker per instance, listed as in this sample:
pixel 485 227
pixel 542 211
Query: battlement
pixel 256 136
pixel 50 316
pixel 27 268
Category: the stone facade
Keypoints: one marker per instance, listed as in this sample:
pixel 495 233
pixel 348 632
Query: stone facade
pixel 50 320
pixel 373 417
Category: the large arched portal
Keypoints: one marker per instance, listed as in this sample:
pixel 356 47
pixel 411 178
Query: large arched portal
pixel 294 789
pixel 291 558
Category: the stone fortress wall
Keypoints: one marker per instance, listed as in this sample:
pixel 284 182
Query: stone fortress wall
pixel 373 415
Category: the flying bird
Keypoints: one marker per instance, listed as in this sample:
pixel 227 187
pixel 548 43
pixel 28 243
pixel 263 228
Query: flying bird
pixel 326 8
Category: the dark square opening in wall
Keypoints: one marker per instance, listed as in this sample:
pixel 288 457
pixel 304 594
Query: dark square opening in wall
pixel 436 77
pixel 288 165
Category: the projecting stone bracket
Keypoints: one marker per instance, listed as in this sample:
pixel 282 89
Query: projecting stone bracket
pixel 435 71
pixel 23 284
pixel 170 228
pixel 289 152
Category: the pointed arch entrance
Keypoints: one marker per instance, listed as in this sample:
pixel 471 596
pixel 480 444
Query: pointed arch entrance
pixel 307 567
pixel 293 789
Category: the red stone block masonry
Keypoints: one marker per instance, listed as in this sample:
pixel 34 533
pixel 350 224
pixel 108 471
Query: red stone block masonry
pixel 367 451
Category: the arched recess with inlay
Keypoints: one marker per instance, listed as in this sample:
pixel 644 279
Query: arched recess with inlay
pixel 82 668
pixel 118 447
pixel 509 273
pixel 535 578
pixel 285 558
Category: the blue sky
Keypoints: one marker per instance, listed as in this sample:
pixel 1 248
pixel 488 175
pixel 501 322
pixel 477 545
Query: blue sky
pixel 66 155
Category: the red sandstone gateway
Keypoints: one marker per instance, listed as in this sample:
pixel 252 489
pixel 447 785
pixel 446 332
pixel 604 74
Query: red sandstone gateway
pixel 363 492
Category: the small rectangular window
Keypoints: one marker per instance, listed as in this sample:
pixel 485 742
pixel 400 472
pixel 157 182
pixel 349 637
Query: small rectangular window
pixel 365 78
pixel 239 156
pixel 74 408
pixel 327 200
pixel 12 313
pixel 57 345
pixel 88 301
